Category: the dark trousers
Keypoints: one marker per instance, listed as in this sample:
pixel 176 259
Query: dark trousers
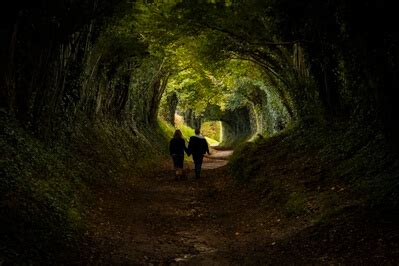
pixel 198 164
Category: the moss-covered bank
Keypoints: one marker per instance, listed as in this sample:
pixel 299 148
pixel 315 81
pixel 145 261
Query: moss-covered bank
pixel 45 187
pixel 318 170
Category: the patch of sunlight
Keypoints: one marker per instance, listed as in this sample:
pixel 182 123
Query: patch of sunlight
pixel 212 142
pixel 212 129
pixel 166 128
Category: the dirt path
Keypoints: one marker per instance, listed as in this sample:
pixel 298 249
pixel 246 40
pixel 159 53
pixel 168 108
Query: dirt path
pixel 216 159
pixel 161 221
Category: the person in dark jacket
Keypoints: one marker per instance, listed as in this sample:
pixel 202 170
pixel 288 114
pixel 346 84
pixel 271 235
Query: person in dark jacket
pixel 177 147
pixel 198 146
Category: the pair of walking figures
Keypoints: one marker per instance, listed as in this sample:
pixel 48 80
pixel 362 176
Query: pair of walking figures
pixel 197 147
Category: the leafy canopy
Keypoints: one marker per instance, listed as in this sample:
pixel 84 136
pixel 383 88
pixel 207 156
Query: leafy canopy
pixel 216 52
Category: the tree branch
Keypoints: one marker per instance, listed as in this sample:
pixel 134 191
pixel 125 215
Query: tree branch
pixel 241 38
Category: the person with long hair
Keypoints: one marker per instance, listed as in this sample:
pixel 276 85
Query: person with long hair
pixel 177 147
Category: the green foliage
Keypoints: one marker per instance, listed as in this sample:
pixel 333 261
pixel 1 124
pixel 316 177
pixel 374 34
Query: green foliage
pixel 210 57
pixel 212 130
pixel 45 188
pixel 90 87
pixel 118 48
pixel 41 209
pixel 318 170
pixel 303 77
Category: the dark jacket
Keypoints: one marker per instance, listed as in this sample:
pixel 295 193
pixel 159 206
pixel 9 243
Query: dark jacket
pixel 198 146
pixel 177 146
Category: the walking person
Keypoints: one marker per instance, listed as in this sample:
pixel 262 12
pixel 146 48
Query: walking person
pixel 177 147
pixel 198 146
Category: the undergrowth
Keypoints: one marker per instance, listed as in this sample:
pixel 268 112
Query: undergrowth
pixel 320 169
pixel 46 187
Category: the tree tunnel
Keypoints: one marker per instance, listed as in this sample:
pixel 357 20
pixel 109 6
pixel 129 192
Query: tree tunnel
pixel 128 63
pixel 118 67
pixel 89 91
pixel 236 124
pixel 117 59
